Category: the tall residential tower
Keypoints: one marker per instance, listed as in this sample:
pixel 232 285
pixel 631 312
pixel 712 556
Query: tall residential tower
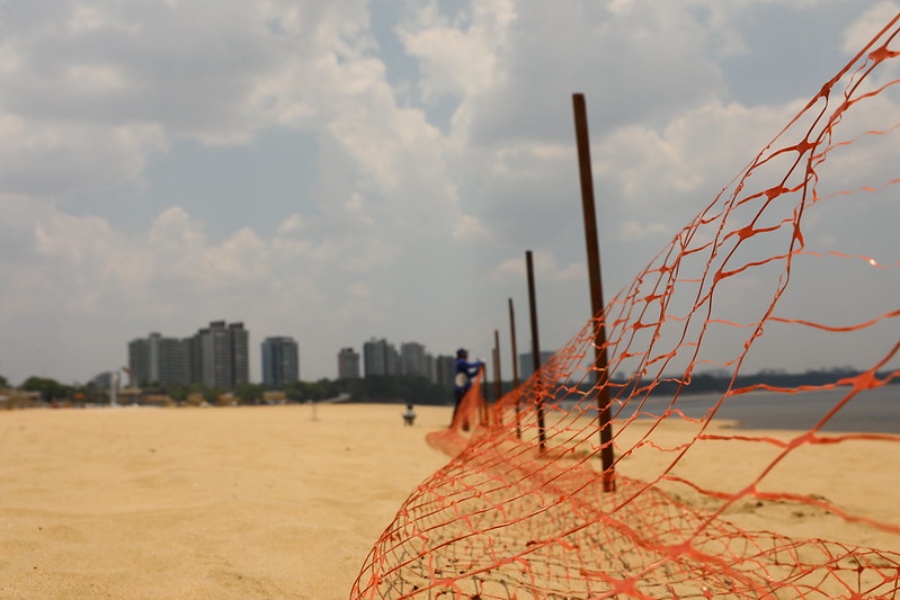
pixel 380 357
pixel 223 353
pixel 160 360
pixel 280 361
pixel 348 364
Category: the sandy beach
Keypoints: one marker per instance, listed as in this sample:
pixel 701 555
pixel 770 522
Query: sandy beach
pixel 282 502
pixel 261 502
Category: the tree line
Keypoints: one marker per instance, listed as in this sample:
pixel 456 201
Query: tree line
pixel 707 383
pixel 403 388
pixel 398 388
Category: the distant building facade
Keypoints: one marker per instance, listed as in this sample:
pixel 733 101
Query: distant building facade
pixel 172 361
pixel 380 358
pixel 414 360
pixel 105 380
pixel 445 370
pixel 223 352
pixel 348 364
pixel 428 368
pixel 280 361
pixel 160 360
pixel 240 353
pixel 139 360
pixel 216 356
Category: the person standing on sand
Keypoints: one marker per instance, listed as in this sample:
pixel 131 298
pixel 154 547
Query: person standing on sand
pixel 409 417
pixel 462 381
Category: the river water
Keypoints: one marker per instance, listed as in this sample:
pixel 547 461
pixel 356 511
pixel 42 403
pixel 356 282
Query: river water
pixel 872 411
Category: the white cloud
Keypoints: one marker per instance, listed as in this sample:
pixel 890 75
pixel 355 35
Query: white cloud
pixel 293 224
pixel 701 149
pixel 461 57
pixel 176 233
pixel 77 80
pixel 56 159
pixel 869 23
pixel 404 194
pixel 546 268
pixel 86 19
pixel 81 268
pixel 667 68
pixel 636 230
pixel 468 228
pixel 525 159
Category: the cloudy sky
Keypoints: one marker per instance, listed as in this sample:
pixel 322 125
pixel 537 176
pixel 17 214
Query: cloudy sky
pixel 335 171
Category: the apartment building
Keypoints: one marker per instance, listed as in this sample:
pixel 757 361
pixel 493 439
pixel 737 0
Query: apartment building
pixel 280 361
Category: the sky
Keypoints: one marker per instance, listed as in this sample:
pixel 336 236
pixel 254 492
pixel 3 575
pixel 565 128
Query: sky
pixel 337 171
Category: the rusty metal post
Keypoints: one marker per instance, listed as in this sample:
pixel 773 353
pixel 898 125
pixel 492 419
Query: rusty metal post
pixel 601 361
pixel 498 378
pixel 515 365
pixel 483 405
pixel 536 352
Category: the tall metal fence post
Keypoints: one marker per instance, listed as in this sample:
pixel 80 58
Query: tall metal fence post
pixel 515 365
pixel 485 396
pixel 536 353
pixel 498 378
pixel 601 361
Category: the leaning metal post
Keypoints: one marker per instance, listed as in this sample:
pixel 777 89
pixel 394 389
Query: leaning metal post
pixel 515 365
pixel 498 378
pixel 536 352
pixel 601 362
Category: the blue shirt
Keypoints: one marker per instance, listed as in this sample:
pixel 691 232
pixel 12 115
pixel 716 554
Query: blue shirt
pixel 465 371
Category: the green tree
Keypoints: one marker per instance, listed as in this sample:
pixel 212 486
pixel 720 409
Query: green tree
pixel 249 393
pixel 50 389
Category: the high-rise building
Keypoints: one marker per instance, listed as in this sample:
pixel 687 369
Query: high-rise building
pixel 375 357
pixel 380 358
pixel 412 359
pixel 348 364
pixel 445 370
pixel 240 353
pixel 219 355
pixel 428 368
pixel 195 359
pixel 160 360
pixel 216 356
pixel 172 361
pixel 280 361
pixel 139 360
pixel 216 367
pixel 393 360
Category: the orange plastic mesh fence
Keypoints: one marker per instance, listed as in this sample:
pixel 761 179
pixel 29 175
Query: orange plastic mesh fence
pixel 514 517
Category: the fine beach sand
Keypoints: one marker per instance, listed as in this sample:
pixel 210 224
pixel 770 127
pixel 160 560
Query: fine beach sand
pixel 189 503
pixel 284 502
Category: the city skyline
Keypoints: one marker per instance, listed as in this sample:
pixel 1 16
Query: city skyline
pixel 165 360
pixel 443 365
pixel 329 171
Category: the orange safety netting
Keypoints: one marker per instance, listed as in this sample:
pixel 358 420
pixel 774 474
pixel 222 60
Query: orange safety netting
pixel 521 511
